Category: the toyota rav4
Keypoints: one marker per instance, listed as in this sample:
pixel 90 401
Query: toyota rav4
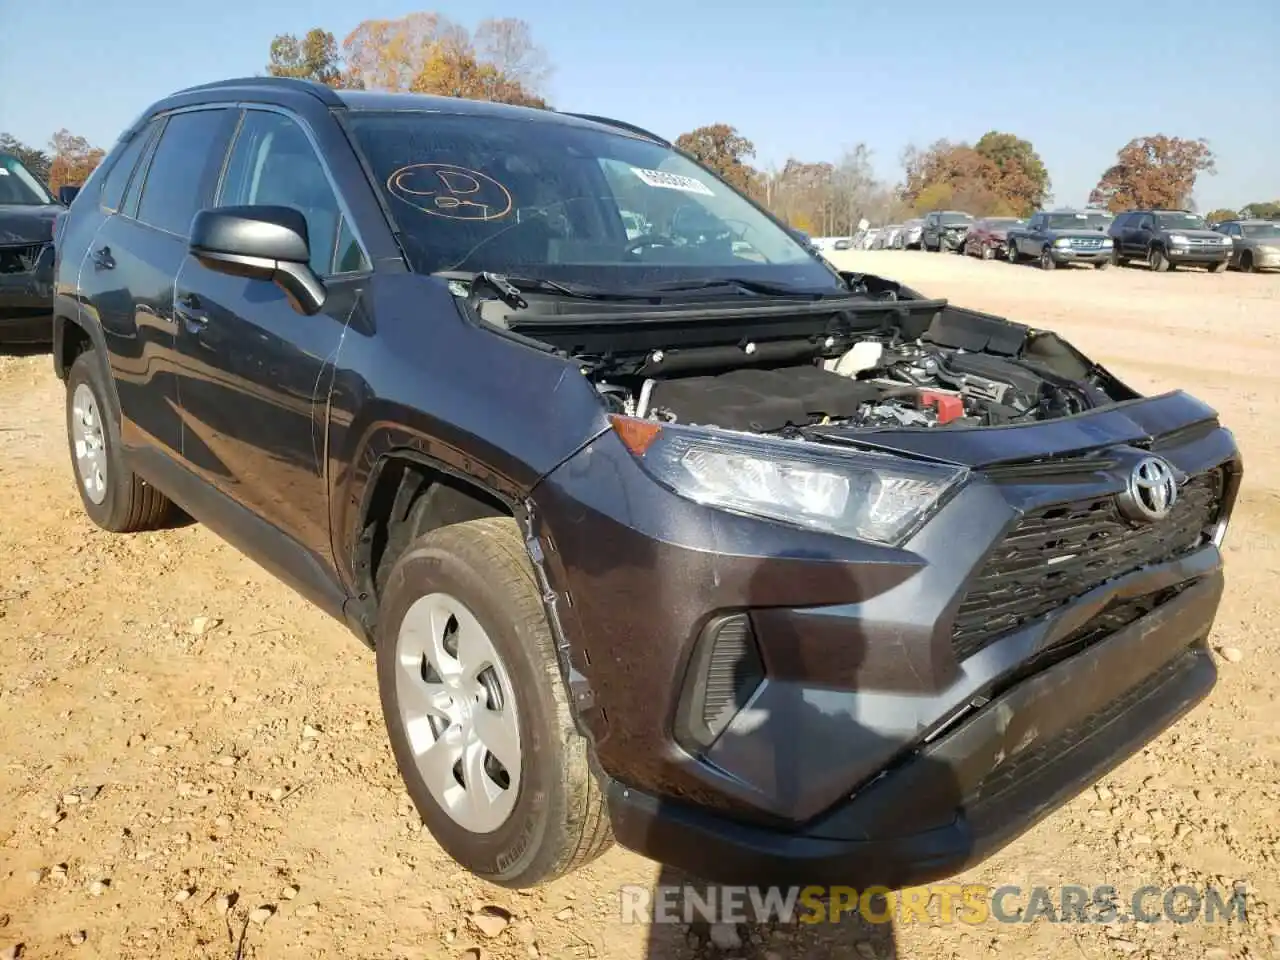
pixel 772 573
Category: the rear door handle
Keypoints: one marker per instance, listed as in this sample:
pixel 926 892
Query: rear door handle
pixel 103 260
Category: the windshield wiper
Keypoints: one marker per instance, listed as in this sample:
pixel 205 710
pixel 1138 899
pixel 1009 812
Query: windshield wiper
pixel 508 288
pixel 761 287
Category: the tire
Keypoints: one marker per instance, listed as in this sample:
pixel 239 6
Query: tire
pixel 1046 260
pixel 1217 267
pixel 1157 261
pixel 1102 265
pixel 987 252
pixel 1011 253
pixel 1116 259
pixel 550 816
pixel 114 497
pixel 1246 262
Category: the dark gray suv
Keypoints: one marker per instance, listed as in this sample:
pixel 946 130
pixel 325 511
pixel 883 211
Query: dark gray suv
pixel 773 573
pixel 1165 239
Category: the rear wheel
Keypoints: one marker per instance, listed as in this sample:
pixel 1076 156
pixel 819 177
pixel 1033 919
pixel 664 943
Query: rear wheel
pixel 114 497
pixel 476 710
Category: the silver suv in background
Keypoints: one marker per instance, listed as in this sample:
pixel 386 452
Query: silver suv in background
pixel 1255 244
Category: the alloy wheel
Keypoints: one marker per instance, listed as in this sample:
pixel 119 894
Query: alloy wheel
pixel 89 443
pixel 458 709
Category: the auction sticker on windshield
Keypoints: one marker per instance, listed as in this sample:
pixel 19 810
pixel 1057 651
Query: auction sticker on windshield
pixel 672 181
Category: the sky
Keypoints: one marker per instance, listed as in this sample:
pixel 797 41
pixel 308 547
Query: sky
pixel 803 78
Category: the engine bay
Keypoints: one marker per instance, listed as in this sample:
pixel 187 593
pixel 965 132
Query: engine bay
pixel 885 358
pixel 877 383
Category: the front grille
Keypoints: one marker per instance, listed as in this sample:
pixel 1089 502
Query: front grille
pixel 1056 554
pixel 21 258
pixel 1086 243
pixel 1204 242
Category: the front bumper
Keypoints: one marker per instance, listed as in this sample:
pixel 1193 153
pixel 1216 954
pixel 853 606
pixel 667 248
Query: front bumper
pixel 26 303
pixel 1197 255
pixel 863 677
pixel 973 790
pixel 1069 255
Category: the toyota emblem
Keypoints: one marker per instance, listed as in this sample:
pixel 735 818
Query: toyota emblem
pixel 1152 490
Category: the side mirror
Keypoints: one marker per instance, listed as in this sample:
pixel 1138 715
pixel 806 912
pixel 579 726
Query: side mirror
pixel 803 237
pixel 264 243
pixel 66 194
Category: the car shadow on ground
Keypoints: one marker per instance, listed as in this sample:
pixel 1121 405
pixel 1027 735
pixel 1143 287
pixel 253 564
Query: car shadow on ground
pixel 25 349
pixel 861 931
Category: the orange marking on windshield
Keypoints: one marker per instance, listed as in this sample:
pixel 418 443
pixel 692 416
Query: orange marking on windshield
pixel 449 191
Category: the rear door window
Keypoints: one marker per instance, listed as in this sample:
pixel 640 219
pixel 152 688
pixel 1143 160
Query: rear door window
pixel 118 179
pixel 178 183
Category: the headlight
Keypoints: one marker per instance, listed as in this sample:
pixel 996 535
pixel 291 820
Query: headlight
pixel 1226 240
pixel 861 495
pixel 1062 242
pixel 1177 238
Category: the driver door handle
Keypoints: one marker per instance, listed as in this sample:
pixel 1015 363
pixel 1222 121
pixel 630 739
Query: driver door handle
pixel 190 310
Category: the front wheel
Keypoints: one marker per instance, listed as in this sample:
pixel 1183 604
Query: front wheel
pixel 987 252
pixel 1046 260
pixel 1157 261
pixel 1246 262
pixel 477 713
pixel 1102 264
pixel 1116 259
pixel 114 497
pixel 1217 267
pixel 1011 253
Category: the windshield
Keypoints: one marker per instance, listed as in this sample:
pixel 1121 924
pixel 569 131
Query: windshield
pixel 952 219
pixel 1180 221
pixel 550 200
pixel 1079 221
pixel 19 186
pixel 1261 231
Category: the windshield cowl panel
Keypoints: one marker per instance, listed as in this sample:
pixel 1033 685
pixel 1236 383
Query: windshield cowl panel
pixel 572 204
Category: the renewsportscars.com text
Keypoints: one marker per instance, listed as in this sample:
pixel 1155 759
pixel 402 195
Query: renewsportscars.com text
pixel 940 902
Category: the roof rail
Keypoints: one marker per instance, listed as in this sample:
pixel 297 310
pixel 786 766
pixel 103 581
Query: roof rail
pixel 622 125
pixel 317 90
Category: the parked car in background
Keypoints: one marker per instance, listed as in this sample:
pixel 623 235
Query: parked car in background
pixel 890 234
pixel 1059 237
pixel 1255 244
pixel 28 211
pixel 944 230
pixel 909 237
pixel 869 238
pixel 844 243
pixel 986 238
pixel 1165 239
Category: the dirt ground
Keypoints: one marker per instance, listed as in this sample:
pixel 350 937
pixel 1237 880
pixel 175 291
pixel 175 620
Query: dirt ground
pixel 183 741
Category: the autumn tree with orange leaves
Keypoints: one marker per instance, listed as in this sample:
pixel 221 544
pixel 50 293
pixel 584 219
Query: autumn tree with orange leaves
pixel 1153 173
pixel 73 159
pixel 721 148
pixel 999 175
pixel 423 53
